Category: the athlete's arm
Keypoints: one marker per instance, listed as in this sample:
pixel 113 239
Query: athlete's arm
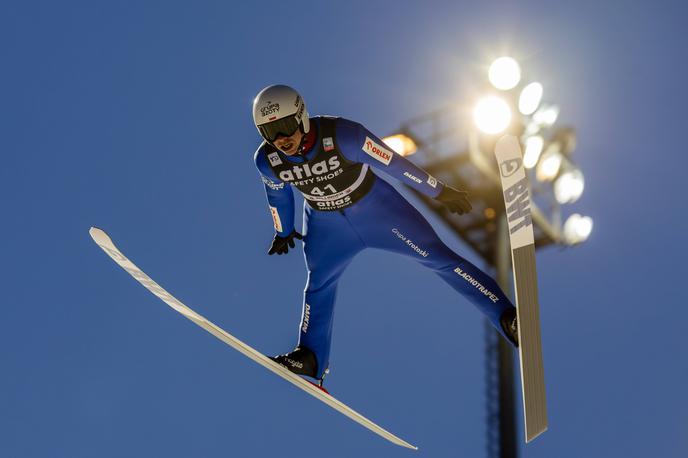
pixel 361 145
pixel 368 148
pixel 279 194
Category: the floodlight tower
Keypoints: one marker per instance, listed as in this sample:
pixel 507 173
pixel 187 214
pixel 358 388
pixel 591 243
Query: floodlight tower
pixel 514 107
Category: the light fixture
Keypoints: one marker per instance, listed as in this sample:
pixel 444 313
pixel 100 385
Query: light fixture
pixel 401 144
pixel 569 186
pixel 546 115
pixel 533 150
pixel 530 98
pixel 492 115
pixel 550 164
pixel 566 137
pixel 532 128
pixel 577 228
pixel 504 73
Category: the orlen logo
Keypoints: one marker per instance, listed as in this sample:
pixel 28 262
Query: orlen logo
pixel 269 108
pixel 277 222
pixel 378 152
pixel 414 178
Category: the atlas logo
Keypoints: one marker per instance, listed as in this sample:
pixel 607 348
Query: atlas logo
pixel 306 318
pixel 299 172
pixel 509 167
pixel 378 152
pixel 414 178
pixel 518 205
pixel 334 203
pixel 269 108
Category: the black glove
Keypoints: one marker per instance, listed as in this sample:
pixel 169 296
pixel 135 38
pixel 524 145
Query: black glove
pixel 281 245
pixel 456 200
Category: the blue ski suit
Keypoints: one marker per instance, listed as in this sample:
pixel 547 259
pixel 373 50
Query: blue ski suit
pixel 348 208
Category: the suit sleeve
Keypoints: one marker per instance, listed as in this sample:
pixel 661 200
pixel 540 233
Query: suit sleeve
pixel 361 145
pixel 279 194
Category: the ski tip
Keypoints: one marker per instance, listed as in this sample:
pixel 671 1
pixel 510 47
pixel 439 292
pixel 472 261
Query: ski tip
pixel 98 235
pixel 508 144
pixel 401 442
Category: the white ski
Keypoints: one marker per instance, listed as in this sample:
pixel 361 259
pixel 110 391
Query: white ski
pixel 104 241
pixel 516 192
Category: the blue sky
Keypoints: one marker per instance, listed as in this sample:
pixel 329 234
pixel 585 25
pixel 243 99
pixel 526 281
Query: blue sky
pixel 135 117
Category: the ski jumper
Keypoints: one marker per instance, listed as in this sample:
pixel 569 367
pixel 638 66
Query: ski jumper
pixel 348 208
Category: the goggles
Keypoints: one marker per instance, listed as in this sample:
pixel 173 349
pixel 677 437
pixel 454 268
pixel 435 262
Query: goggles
pixel 282 127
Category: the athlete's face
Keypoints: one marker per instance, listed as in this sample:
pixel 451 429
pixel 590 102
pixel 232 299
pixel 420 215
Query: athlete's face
pixel 289 145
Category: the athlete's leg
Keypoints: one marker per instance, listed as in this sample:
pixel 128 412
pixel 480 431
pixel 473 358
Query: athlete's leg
pixel 400 228
pixel 330 243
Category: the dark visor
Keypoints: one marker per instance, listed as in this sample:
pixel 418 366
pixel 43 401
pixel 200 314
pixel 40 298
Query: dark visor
pixel 285 126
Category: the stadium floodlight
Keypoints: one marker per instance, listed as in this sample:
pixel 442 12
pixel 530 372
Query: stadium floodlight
pixel 550 164
pixel 530 98
pixel 566 138
pixel 492 115
pixel 569 186
pixel 504 73
pixel 401 144
pixel 532 128
pixel 533 150
pixel 546 115
pixel 577 228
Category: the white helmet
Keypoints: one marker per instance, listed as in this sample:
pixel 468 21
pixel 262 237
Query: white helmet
pixel 279 110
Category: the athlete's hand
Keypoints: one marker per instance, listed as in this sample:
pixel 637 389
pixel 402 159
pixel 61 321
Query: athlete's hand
pixel 281 245
pixel 457 201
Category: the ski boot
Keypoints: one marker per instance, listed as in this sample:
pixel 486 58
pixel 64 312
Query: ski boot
pixel 509 322
pixel 302 361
